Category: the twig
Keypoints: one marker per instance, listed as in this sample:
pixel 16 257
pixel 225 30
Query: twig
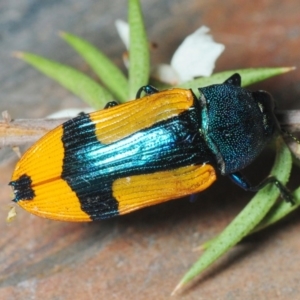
pixel 22 131
pixel 289 120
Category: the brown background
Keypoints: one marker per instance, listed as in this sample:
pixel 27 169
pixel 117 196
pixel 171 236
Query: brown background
pixel 143 255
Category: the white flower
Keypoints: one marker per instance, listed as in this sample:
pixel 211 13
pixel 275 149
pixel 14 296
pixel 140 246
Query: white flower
pixel 195 57
pixel 69 112
pixel 123 31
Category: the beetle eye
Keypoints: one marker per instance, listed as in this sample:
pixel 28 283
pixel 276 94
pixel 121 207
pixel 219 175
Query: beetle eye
pixel 266 105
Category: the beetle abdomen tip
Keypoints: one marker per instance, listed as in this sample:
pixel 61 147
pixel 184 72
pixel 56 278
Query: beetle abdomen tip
pixel 22 188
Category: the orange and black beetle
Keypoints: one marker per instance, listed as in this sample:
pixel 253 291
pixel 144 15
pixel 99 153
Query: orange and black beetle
pixel 160 147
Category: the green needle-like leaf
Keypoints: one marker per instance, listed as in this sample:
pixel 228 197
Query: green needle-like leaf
pixel 76 82
pixel 251 215
pixel 249 76
pixel 276 213
pixel 279 211
pixel 139 62
pixel 106 70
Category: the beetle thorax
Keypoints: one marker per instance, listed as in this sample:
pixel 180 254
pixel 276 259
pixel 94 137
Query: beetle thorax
pixel 236 124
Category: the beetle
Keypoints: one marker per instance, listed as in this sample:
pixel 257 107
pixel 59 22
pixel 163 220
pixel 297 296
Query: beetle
pixel 163 146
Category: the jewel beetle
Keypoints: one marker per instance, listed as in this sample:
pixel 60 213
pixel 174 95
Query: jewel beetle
pixel 163 146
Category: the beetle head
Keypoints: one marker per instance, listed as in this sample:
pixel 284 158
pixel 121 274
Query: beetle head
pixel 236 123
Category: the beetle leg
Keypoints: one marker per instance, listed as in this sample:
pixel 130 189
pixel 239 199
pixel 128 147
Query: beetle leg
pixel 147 89
pixel 242 182
pixel 111 104
pixel 193 198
